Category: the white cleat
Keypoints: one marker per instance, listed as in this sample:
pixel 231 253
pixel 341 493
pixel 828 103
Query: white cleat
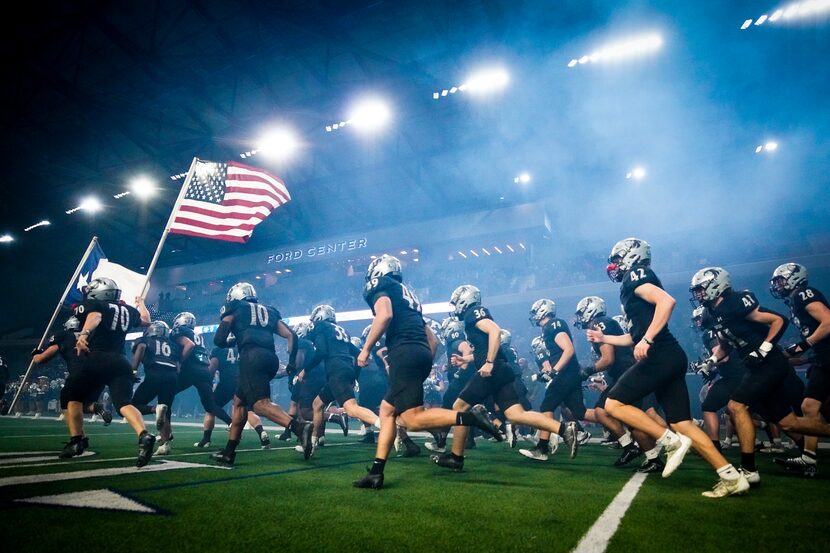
pixel 536 454
pixel 161 416
pixel 299 449
pixel 60 417
pixel 94 418
pixel 398 444
pixel 123 420
pixel 753 477
pixel 583 437
pixel 37 415
pixel 163 449
pixel 725 488
pixel 726 443
pixel 675 452
pixel 432 446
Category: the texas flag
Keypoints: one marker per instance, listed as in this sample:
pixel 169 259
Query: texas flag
pixel 97 265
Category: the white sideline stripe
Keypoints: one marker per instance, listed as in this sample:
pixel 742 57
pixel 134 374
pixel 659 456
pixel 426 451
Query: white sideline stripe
pixel 84 474
pixel 26 461
pixel 598 536
pixel 203 453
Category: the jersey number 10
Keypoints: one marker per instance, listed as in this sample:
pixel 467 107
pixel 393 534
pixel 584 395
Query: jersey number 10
pixel 259 315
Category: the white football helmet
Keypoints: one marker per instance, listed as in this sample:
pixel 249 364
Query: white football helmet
pixel 697 317
pixel 541 309
pixel 588 309
pixel 385 265
pixel 786 278
pixel 102 288
pixel 464 297
pixel 72 323
pixel 506 337
pixel 623 321
pixel 450 325
pixel 708 284
pixel 301 329
pixel 538 347
pixel 356 342
pixel 626 254
pixel 159 329
pixel 323 313
pixel 242 291
pixel 185 318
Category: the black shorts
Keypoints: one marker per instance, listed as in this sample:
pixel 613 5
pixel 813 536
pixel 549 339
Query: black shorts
pixel 193 374
pixel 521 393
pixel 766 388
pixel 451 393
pixel 339 384
pixel 409 366
pixel 719 394
pixel 566 390
pixel 257 367
pixel 91 398
pixel 663 373
pixel 306 390
pixel 499 386
pixel 157 383
pixel 226 389
pixel 818 381
pixel 102 369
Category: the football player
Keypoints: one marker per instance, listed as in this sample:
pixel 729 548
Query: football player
pixel 254 325
pixel 411 347
pixel 565 388
pixel 452 331
pixel 723 379
pixel 769 385
pixel 161 365
pixel 333 346
pixel 305 384
pixel 614 361
pixel 512 356
pixel 810 313
pixel 105 321
pixel 493 377
pixel 62 343
pixel 225 363
pixel 660 368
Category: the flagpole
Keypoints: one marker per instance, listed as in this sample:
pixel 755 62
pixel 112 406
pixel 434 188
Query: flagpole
pixel 80 266
pixel 166 230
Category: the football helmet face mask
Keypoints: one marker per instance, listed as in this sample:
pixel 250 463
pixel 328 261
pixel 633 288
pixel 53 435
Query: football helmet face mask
pixel 72 323
pixel 242 291
pixel 323 313
pixel 385 265
pixel 158 329
pixel 506 337
pixel 102 288
pixel 786 278
pixel 625 255
pixel 588 309
pixel 301 329
pixel 185 318
pixel 698 313
pixel 541 309
pixel 450 325
pixel 622 320
pixel 464 297
pixel 538 347
pixel 708 284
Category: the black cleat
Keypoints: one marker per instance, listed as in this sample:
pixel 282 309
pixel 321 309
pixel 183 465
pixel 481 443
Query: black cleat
pixel 305 439
pixel 285 436
pixel 85 442
pixel 411 449
pixel 343 421
pixel 370 481
pixel 204 442
pixel 629 454
pixel 484 423
pixel 570 437
pixel 264 440
pixel 105 415
pixel 369 438
pixel 145 449
pixel 448 461
pixel 797 464
pixel 73 448
pixel 224 458
pixel 651 465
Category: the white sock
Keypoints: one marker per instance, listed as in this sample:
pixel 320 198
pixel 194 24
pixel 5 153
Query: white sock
pixel 653 453
pixel 667 438
pixel 377 423
pixel 625 439
pixel 728 473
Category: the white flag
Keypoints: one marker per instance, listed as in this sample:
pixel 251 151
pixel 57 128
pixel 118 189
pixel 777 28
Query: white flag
pixel 130 282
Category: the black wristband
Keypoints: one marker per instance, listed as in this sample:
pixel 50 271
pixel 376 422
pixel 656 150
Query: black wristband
pixel 647 341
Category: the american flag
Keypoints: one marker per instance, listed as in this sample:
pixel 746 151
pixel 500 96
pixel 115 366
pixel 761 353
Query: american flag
pixel 225 201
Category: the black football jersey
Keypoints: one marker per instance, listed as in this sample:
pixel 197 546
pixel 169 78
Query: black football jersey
pixel 254 324
pixel 117 318
pixel 623 355
pixel 728 320
pixel 638 311
pixel 512 357
pixel 228 359
pixel 454 340
pixel 550 331
pixel 304 345
pixel 199 356
pixel 159 353
pixel 540 358
pixel 733 367
pixel 66 340
pixel 407 325
pixel 478 339
pixel 331 344
pixel 806 324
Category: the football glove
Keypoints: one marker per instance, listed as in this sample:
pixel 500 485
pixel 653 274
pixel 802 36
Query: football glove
pixel 36 351
pixel 757 356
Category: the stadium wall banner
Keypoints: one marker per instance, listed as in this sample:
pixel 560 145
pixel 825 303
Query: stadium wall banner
pixel 317 251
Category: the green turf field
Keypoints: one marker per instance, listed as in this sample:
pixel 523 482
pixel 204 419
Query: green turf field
pixel 502 502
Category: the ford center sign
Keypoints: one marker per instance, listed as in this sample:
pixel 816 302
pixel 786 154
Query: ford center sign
pixel 319 250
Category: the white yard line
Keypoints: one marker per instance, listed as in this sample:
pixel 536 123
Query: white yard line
pixel 598 536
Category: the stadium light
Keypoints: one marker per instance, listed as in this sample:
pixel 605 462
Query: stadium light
pixel 6 239
pixel 368 115
pixel 523 178
pixel 43 223
pixel 480 82
pixel 143 187
pixel 91 204
pixel 278 144
pixel 792 12
pixel 638 173
pixel 635 46
pixel 768 147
